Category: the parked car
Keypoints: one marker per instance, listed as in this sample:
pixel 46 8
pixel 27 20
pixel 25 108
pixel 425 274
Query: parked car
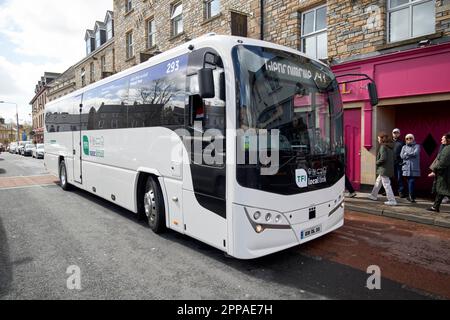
pixel 13 147
pixel 21 147
pixel 38 152
pixel 28 150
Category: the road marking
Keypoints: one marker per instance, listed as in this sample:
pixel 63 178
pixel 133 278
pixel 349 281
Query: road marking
pixel 29 187
pixel 25 181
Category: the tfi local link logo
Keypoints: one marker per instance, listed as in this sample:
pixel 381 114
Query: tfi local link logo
pixel 301 178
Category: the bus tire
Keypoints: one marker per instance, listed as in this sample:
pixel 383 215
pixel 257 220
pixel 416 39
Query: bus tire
pixel 63 176
pixel 153 204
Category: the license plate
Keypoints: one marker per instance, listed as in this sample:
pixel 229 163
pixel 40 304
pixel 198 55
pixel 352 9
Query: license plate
pixel 310 232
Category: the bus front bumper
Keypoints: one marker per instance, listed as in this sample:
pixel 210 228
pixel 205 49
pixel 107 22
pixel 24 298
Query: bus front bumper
pixel 253 241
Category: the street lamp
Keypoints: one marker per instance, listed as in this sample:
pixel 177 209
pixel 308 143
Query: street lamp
pixel 17 116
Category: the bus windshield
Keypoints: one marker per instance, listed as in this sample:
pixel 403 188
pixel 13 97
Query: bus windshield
pixel 300 99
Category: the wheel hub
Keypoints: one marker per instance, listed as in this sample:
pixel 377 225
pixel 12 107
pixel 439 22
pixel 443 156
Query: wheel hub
pixel 150 205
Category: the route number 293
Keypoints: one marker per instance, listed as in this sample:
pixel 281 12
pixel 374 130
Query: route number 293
pixel 173 66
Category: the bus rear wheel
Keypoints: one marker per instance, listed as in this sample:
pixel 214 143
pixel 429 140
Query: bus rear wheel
pixel 63 176
pixel 153 204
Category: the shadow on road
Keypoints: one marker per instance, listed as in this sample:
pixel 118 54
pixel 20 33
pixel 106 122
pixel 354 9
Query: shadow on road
pixel 2 171
pixel 6 276
pixel 289 268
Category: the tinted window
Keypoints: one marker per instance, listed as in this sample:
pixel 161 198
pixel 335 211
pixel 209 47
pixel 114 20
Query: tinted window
pixel 104 107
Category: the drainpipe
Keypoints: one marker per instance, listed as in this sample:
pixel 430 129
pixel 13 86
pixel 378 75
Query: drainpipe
pixel 262 19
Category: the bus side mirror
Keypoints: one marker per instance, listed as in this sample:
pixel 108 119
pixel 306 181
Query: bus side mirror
pixel 222 87
pixel 206 83
pixel 373 94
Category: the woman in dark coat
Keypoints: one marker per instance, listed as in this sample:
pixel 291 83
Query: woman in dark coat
pixel 441 171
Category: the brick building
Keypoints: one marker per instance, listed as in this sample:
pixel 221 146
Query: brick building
pixel 38 104
pixel 62 85
pixel 99 62
pixel 7 133
pixel 144 28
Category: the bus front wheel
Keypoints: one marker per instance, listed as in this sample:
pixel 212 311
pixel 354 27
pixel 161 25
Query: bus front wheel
pixel 63 176
pixel 154 206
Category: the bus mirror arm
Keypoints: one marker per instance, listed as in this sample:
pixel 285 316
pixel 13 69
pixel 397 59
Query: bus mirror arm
pixel 195 101
pixel 371 87
pixel 222 87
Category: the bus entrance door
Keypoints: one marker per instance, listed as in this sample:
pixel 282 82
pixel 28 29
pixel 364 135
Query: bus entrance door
pixel 77 141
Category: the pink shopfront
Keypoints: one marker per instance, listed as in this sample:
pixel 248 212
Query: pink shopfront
pixel 414 91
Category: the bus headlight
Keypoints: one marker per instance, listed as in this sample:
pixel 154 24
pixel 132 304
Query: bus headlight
pixel 269 221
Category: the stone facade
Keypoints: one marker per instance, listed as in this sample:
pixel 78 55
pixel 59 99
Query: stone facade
pixel 355 29
pixel 62 85
pixel 195 24
pixel 7 133
pixel 83 68
pixel 38 104
pixel 282 20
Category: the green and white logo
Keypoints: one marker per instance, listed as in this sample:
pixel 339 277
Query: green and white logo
pixel 301 178
pixel 86 145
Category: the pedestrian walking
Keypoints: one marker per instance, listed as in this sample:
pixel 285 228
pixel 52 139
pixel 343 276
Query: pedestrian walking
pixel 410 155
pixel 385 170
pixel 398 172
pixel 349 187
pixel 443 145
pixel 441 170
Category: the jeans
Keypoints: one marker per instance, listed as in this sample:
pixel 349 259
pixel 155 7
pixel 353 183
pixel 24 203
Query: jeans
pixel 411 187
pixel 348 185
pixel 386 182
pixel 399 177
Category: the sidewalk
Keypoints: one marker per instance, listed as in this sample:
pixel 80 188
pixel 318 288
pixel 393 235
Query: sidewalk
pixel 404 210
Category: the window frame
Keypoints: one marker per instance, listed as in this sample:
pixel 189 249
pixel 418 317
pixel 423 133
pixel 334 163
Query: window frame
pixel 207 10
pixel 315 33
pixel 129 45
pixel 128 6
pixel 151 35
pixel 176 19
pixel 83 77
pixel 103 63
pixel 91 72
pixel 409 6
pixel 98 38
pixel 109 29
pixel 88 46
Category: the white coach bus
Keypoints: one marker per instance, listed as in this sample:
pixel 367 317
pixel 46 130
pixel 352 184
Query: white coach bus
pixel 133 139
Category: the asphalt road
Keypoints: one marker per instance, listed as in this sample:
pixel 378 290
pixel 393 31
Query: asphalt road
pixel 44 231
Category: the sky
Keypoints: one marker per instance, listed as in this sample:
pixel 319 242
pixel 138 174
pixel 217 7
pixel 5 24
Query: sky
pixel 37 37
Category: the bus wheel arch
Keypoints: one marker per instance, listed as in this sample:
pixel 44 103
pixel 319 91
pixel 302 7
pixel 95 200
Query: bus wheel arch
pixel 62 170
pixel 150 202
